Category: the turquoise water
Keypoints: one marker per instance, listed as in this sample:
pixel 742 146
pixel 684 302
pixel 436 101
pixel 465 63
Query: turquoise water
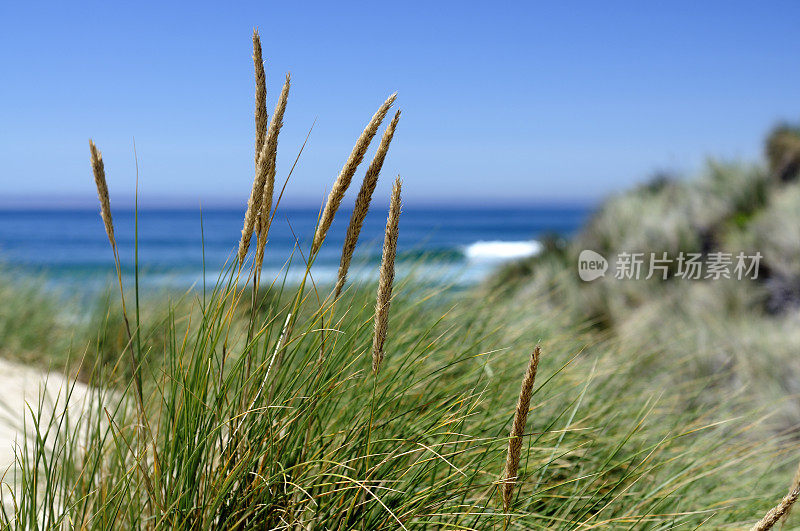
pixel 456 244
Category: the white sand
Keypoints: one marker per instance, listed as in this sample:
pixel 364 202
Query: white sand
pixel 22 386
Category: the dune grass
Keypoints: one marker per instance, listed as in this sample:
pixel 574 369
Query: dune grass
pixel 324 442
pixel 262 407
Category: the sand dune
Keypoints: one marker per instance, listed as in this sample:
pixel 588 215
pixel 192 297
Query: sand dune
pixel 21 387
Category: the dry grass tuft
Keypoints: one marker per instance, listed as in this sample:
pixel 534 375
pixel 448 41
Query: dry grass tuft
pixel 517 430
pixel 386 278
pixel 266 164
pixel 98 168
pixel 362 204
pixel 782 509
pixel 346 175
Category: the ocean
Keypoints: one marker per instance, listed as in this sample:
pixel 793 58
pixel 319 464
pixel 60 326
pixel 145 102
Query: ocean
pixel 459 245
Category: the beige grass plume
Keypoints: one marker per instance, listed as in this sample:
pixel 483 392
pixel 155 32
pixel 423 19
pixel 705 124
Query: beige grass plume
pixel 257 192
pixel 261 95
pixel 782 509
pixel 98 168
pixel 517 429
pixel 386 278
pixel 346 175
pixel 266 163
pixel 362 204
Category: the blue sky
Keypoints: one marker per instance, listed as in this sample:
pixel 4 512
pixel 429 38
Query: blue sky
pixel 521 100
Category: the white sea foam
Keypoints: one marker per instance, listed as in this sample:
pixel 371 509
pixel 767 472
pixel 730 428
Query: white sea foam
pixel 492 251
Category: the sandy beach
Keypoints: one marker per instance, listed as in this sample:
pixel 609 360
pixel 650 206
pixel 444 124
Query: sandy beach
pixel 23 389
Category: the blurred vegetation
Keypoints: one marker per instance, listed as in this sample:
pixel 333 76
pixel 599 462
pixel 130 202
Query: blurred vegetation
pixel 747 329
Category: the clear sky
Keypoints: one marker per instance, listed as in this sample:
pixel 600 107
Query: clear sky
pixel 501 100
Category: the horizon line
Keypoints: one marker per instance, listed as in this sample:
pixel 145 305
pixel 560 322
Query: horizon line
pixel 81 202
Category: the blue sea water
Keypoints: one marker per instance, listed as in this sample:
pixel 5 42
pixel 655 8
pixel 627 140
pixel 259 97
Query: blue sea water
pixel 453 244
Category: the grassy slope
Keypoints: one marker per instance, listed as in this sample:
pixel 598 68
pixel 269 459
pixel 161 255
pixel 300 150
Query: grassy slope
pixel 744 330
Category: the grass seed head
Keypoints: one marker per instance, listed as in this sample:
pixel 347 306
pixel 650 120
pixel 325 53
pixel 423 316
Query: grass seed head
pixel 257 192
pixel 98 168
pixel 362 204
pixel 518 429
pixel 782 509
pixel 346 175
pixel 386 278
pixel 266 165
pixel 261 94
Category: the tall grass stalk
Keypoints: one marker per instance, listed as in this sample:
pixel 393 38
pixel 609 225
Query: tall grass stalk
pixel 386 278
pixel 518 430
pixel 98 170
pixel 251 217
